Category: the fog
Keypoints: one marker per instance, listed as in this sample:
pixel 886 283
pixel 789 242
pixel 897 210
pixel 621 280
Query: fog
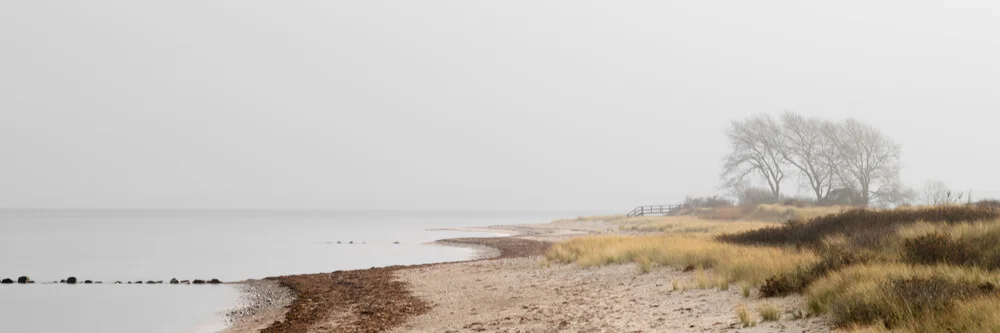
pixel 467 104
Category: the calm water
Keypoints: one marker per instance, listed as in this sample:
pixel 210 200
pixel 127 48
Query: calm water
pixel 159 245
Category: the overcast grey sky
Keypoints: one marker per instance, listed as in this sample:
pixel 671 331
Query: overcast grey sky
pixel 472 104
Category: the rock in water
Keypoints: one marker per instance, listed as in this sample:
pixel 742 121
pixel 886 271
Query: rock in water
pixel 214 281
pixel 198 282
pixel 6 281
pixel 24 279
pixel 88 282
pixel 71 280
pixel 174 281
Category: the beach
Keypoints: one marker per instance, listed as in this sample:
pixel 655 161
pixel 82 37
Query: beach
pixel 513 290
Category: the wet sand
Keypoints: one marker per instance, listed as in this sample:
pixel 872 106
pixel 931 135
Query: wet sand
pixel 262 302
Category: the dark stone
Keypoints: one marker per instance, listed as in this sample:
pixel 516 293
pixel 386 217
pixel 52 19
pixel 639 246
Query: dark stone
pixel 174 281
pixel 62 281
pixel 198 282
pixel 71 280
pixel 138 282
pixel 214 281
pixel 351 242
pixel 150 282
pixel 23 280
pixel 185 282
pixel 119 282
pixel 6 281
pixel 88 282
pixel 395 243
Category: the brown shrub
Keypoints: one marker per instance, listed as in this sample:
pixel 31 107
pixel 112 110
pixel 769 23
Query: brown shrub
pixel 988 203
pixel 938 247
pixel 862 226
pixel 790 283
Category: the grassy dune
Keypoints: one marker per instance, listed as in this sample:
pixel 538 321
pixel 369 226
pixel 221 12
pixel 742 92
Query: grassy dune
pixel 691 225
pixel 923 269
pixel 729 263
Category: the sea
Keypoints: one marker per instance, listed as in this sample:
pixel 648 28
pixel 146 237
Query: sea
pixel 149 245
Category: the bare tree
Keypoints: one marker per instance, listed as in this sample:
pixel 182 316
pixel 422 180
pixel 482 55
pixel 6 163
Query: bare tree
pixel 867 162
pixel 756 152
pixel 937 193
pixel 810 152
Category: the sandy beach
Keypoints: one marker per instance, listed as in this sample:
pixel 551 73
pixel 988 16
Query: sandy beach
pixel 511 290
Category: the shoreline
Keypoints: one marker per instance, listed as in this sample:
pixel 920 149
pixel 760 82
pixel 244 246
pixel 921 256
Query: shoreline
pixel 355 300
pixel 507 288
pixel 370 300
pixel 260 311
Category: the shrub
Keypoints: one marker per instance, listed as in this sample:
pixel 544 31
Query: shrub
pixel 862 226
pixel 967 244
pixel 988 203
pixel 706 202
pixel 798 202
pixel 937 247
pixel 753 196
pixel 895 295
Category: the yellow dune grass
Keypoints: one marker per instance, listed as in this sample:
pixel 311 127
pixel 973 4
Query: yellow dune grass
pixel 885 295
pixel 732 263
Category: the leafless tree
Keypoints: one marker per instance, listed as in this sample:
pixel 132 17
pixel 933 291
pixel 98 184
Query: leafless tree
pixel 866 161
pixel 937 193
pixel 805 148
pixel 756 152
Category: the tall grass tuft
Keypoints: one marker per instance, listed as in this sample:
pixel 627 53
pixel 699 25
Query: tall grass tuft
pixel 746 289
pixel 768 312
pixel 746 319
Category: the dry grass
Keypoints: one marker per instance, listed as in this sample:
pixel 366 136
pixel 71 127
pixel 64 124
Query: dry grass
pixel 729 263
pixel 914 269
pixel 860 225
pixel 899 296
pixel 620 218
pixel 966 244
pixel 746 319
pixel 746 289
pixel 691 225
pixel 768 312
pixel 782 213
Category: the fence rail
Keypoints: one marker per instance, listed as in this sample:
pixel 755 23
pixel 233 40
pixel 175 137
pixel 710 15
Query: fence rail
pixel 654 210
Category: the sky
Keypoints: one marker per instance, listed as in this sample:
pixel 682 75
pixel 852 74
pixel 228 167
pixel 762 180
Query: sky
pixel 466 104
